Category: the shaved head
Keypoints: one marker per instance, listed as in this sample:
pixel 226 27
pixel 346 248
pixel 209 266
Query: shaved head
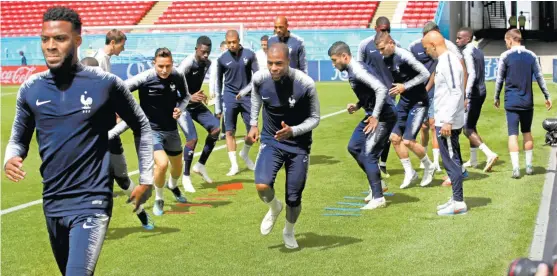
pixel 464 36
pixel 382 25
pixel 232 33
pixel 278 60
pixel 281 26
pixel 434 44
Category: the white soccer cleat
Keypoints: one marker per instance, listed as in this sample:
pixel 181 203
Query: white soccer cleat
pixel 444 205
pixel 408 179
pixel 428 176
pixel 437 168
pixel 186 183
pixel 289 239
pixel 453 208
pixel 233 171
pixel 370 195
pixel 375 203
pixel 248 162
pixel 491 162
pixel 529 170
pixel 200 169
pixel 269 220
pixel 470 164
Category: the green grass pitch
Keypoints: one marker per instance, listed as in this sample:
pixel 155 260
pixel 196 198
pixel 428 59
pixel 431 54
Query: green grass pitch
pixel 406 238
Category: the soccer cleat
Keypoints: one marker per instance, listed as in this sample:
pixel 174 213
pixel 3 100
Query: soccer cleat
pixel 375 203
pixel 444 205
pixel 289 239
pixel 269 220
pixel 408 179
pixel 490 162
pixel 453 208
pixel 370 195
pixel 529 170
pixel 158 208
pixel 222 136
pixel 516 173
pixel 233 171
pixel 248 162
pixel 422 166
pixel 186 183
pixel 146 221
pixel 200 169
pixel 437 168
pixel 384 173
pixel 428 176
pixel 178 195
pixel 470 164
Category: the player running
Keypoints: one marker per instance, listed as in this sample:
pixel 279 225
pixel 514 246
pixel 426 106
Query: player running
pixel 409 77
pixel 72 107
pixel 290 113
pixel 236 66
pixel 516 68
pixel 163 95
pixel 475 93
pixel 372 133
pixel 194 68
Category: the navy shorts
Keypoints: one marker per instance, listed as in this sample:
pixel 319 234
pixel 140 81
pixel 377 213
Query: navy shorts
pixel 201 115
pixel 231 109
pixel 410 121
pixel 168 141
pixel 522 117
pixel 474 111
pixel 76 241
pixel 269 161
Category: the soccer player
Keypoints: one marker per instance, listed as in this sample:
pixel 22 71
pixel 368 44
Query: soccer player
pixel 419 53
pixel 449 116
pixel 516 67
pixel 72 107
pixel 114 44
pixel 89 61
pixel 194 68
pixel 475 93
pixel 367 53
pixel 261 54
pixel 236 66
pixel 290 113
pixel 163 96
pixel 409 76
pixel 295 44
pixel 372 133
pixel 118 166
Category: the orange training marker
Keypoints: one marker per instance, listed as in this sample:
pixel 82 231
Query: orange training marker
pixel 193 204
pixel 232 186
pixel 211 198
pixel 222 194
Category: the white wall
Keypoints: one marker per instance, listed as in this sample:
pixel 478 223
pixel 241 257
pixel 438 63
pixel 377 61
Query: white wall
pixel 476 16
pixel 526 7
pixel 535 16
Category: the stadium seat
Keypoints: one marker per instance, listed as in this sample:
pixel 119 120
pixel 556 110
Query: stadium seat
pixel 419 12
pixel 93 13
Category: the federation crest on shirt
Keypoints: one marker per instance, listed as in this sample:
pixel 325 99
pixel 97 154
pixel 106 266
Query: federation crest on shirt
pixel 291 101
pixel 172 87
pixel 86 102
pixel 245 61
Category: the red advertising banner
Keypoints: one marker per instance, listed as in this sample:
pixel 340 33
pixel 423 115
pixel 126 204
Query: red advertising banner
pixel 19 74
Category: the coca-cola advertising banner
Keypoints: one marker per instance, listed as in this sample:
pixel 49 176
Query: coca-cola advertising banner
pixel 19 74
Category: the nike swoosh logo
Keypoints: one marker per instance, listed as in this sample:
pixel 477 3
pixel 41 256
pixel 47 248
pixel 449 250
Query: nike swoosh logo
pixel 229 63
pixel 194 73
pixel 372 51
pixel 41 103
pixel 151 91
pixel 87 226
pixel 264 98
pixel 420 53
pixel 458 211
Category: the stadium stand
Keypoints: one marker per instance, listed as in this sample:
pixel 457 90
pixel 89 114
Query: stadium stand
pixel 260 14
pixel 23 18
pixel 419 12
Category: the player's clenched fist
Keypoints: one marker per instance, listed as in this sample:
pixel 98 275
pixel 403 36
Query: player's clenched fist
pixel 140 195
pixel 13 169
pixel 253 134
